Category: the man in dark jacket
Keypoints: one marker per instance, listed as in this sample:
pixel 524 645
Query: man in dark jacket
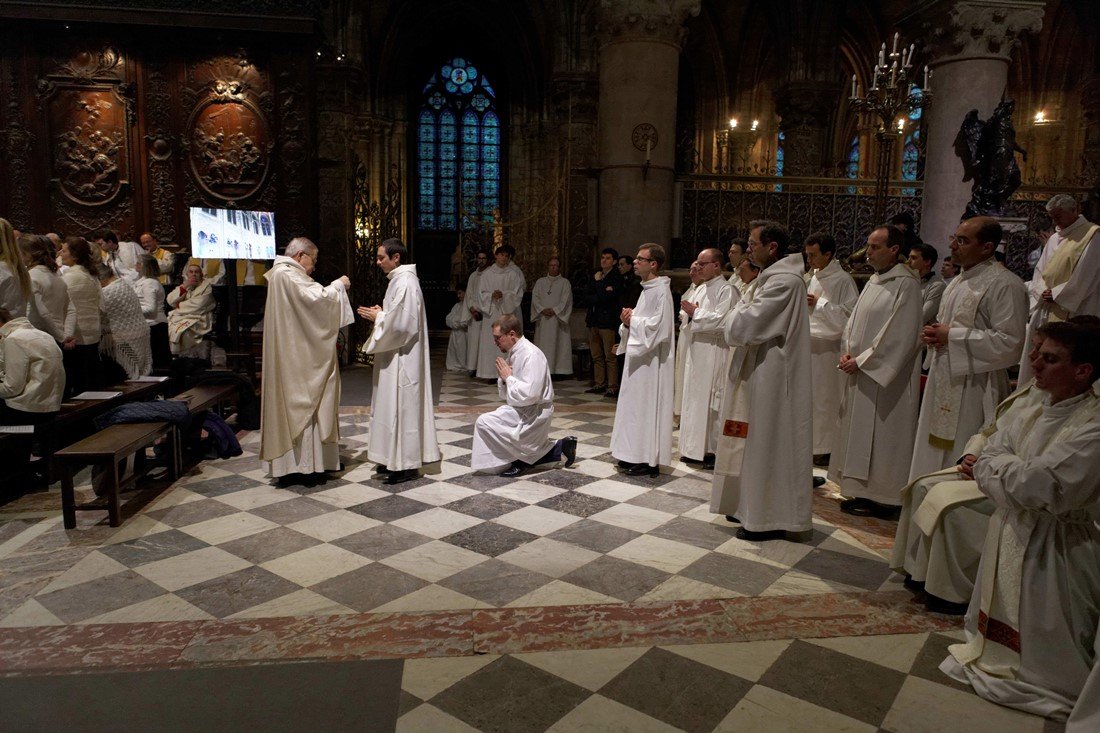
pixel 605 293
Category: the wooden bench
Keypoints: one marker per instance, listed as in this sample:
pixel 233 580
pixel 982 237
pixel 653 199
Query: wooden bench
pixel 106 448
pixel 205 396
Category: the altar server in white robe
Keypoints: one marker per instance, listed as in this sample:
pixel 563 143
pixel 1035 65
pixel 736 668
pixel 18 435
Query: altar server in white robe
pixel 402 428
pixel 458 320
pixel 763 475
pixel 683 341
pixel 641 439
pixel 1066 281
pixel 477 319
pixel 1032 621
pixel 551 306
pixel 830 295
pixel 501 289
pixel 516 435
pixel 944 518
pixel 979 334
pixel 300 395
pixel 705 363
pixel 881 368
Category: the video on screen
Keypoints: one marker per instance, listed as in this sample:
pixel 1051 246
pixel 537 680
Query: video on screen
pixel 232 234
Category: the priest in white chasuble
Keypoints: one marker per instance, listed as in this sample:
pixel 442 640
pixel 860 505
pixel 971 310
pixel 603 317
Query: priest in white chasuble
pixel 683 340
pixel 501 289
pixel 402 423
pixel 641 439
pixel 880 364
pixel 705 363
pixel 300 395
pixel 763 475
pixel 477 319
pixel 831 295
pixel 516 435
pixel 1031 626
pixel 551 306
pixel 1066 281
pixel 979 334
pixel 458 320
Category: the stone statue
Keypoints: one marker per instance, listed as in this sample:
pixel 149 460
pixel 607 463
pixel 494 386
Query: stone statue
pixel 988 153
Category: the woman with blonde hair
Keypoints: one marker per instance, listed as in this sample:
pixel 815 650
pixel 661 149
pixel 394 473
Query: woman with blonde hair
pixel 82 361
pixel 15 281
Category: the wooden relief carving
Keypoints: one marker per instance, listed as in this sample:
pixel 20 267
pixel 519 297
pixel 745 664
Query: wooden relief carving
pixel 89 110
pixel 228 137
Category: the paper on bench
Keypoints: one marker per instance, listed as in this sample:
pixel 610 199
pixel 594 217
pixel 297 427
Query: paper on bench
pixel 149 378
pixel 97 395
pixel 16 428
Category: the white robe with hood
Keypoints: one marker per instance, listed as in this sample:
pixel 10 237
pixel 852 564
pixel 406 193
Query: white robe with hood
pixel 763 476
pixel 552 332
pixel 511 283
pixel 458 320
pixel 836 296
pixel 402 427
pixel 704 369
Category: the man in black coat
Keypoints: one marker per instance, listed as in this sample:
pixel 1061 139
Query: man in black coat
pixel 605 294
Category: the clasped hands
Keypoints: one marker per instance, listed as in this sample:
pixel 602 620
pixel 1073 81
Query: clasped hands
pixel 847 364
pixel 625 315
pixel 966 465
pixel 688 307
pixel 503 368
pixel 935 335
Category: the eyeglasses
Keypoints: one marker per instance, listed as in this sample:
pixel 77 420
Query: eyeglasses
pixel 644 259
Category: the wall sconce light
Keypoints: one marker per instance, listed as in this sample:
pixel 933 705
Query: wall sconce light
pixel 755 125
pixel 901 124
pixel 1041 118
pixel 733 123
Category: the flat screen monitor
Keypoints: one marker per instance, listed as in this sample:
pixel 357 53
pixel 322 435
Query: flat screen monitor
pixel 232 234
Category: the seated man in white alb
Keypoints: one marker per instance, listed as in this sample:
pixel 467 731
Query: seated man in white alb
pixel 516 435
pixel 1032 622
pixel 458 320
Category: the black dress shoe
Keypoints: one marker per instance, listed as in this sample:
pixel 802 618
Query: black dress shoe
pixel 514 470
pixel 775 534
pixel 914 585
pixel 856 507
pixel 627 464
pixel 642 469
pixel 731 518
pixel 381 469
pixel 708 462
pixel 868 508
pixel 595 390
pixel 819 481
pixel 398 477
pixel 612 393
pixel 935 604
pixel 569 450
pixel 690 461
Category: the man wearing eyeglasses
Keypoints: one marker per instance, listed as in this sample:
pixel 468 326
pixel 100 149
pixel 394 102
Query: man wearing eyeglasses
pixel 641 439
pixel 705 362
pixel 979 333
pixel 762 476
pixel 300 398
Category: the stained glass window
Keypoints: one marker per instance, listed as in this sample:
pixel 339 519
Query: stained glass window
pixel 852 170
pixel 458 148
pixel 910 151
pixel 780 140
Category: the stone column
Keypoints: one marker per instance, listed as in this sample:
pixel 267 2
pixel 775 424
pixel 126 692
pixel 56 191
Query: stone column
pixel 575 103
pixel 1090 103
pixel 971 43
pixel 638 70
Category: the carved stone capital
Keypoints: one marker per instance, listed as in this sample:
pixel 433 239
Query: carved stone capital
pixel 806 104
pixel 575 97
pixel 651 20
pixel 972 29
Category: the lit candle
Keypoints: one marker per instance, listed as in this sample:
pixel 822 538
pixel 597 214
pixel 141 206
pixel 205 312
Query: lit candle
pixel 894 51
pixel 853 86
pixel 893 72
pixel 882 55
pixel 912 48
pixel 926 77
pixel 648 142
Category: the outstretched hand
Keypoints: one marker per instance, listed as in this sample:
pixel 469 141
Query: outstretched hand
pixel 369 313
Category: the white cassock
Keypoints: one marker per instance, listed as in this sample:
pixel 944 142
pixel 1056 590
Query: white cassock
pixel 944 516
pixel 763 473
pixel 552 332
pixel 871 455
pixel 473 331
pixel 1070 268
pixel 1033 616
pixel 932 287
pixel 704 369
pixel 986 309
pixel 836 293
pixel 402 425
pixel 510 282
pixel 683 343
pixel 1085 717
pixel 518 430
pixel 458 320
pixel 643 416
pixel 300 394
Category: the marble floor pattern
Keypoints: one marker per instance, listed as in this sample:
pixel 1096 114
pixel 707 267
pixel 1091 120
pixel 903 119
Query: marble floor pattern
pixel 655 598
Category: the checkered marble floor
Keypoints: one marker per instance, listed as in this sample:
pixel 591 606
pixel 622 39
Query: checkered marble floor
pixel 225 545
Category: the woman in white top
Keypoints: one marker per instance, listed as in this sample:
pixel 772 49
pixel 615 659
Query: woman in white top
pixel 82 361
pixel 192 315
pixel 124 348
pixel 49 308
pixel 15 281
pixel 151 294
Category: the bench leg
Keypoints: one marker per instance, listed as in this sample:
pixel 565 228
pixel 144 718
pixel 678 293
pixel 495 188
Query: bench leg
pixel 68 497
pixel 114 511
pixel 175 468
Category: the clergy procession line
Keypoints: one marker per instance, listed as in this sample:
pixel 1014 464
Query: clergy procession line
pixel 776 370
